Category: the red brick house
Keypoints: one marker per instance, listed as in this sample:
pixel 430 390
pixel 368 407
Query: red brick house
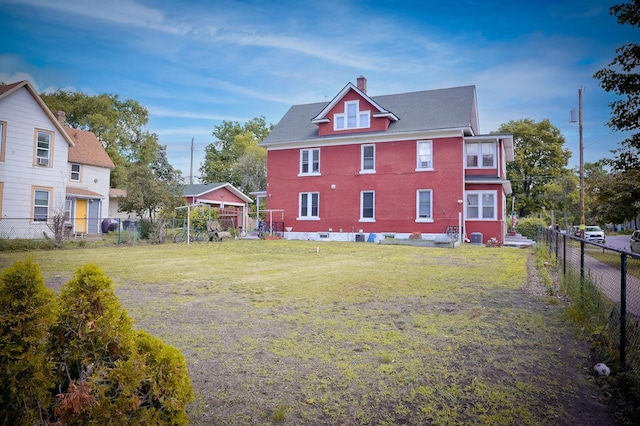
pixel 391 165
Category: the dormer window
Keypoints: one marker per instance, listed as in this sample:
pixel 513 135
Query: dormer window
pixel 352 118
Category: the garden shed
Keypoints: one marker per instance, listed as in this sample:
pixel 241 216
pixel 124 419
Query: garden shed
pixel 224 196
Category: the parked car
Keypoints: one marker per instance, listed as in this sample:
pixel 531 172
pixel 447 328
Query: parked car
pixel 594 234
pixel 635 242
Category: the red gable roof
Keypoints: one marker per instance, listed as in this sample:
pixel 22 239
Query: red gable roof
pixel 7 87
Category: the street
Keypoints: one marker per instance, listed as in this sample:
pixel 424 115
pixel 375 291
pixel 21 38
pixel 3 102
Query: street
pixel 620 242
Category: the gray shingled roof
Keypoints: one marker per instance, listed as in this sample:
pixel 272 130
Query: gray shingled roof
pixel 201 188
pixel 198 189
pixel 418 111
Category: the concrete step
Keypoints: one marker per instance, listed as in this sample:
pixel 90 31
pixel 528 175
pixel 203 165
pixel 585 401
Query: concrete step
pixel 517 240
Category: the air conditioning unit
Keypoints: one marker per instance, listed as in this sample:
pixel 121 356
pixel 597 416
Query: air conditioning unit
pixel 43 161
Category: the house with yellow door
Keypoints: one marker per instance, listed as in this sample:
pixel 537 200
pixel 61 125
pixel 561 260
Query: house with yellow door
pixel 89 169
pixel 47 169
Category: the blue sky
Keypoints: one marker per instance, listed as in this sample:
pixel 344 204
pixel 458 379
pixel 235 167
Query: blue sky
pixel 195 63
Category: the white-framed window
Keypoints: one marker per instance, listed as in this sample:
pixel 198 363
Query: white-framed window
pixel 482 205
pixel 424 205
pixel 367 206
pixel 68 209
pixel 3 139
pixel 352 117
pixel 310 161
pixel 424 152
pixel 41 198
pixel 481 154
pixel 43 147
pixel 309 206
pixel 75 172
pixel 368 159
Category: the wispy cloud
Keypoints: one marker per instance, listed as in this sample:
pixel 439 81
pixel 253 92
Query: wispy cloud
pixel 17 76
pixel 164 112
pixel 123 12
pixel 193 131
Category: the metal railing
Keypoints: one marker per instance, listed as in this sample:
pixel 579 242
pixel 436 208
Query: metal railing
pixel 604 284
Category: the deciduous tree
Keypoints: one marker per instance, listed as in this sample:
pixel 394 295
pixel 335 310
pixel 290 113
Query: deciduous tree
pixel 142 168
pixel 236 157
pixel 540 158
pixel 622 78
pixel 619 191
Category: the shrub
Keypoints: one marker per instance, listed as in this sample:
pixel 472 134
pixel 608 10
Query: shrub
pixel 112 374
pixel 528 226
pixel 21 244
pixel 167 387
pixel 27 309
pixel 200 216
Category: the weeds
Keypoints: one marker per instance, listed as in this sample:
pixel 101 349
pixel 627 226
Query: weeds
pixel 278 331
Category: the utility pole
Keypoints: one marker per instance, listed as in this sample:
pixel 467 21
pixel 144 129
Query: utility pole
pixel 191 170
pixel 581 164
pixel 573 120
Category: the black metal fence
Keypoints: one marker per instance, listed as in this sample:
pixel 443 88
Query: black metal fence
pixel 603 284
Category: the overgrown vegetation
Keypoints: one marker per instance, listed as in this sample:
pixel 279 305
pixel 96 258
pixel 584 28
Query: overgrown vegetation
pixel 82 363
pixel 599 319
pixel 294 332
pixel 528 226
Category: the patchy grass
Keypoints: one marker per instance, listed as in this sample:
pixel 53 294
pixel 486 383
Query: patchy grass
pixel 281 332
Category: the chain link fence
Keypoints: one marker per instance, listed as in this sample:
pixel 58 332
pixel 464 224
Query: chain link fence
pixel 603 284
pixel 117 230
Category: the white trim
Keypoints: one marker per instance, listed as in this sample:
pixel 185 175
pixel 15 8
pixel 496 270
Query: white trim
pixel 479 154
pixel 344 116
pixel 424 219
pixel 430 143
pixel 480 206
pixel 362 169
pixel 222 202
pixel 310 171
pixel 367 219
pixel 71 172
pixel 309 206
pixel 320 118
pixel 370 137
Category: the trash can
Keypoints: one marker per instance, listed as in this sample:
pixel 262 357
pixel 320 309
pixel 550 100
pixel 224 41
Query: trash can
pixel 476 238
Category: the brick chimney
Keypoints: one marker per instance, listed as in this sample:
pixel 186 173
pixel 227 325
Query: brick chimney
pixel 61 117
pixel 362 84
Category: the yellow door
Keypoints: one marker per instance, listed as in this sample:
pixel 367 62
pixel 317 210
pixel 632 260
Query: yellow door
pixel 81 215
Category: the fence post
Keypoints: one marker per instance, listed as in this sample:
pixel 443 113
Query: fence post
pixel 623 311
pixel 564 254
pixel 556 237
pixel 582 268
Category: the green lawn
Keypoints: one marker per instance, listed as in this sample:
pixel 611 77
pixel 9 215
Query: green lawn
pixel 292 332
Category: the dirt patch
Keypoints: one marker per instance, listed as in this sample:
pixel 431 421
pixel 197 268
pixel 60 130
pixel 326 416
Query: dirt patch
pixel 496 356
pixel 589 404
pixel 490 349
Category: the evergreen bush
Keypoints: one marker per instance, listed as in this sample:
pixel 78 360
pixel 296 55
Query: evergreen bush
pixel 110 373
pixel 27 310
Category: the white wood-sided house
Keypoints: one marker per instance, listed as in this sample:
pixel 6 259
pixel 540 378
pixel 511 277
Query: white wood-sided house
pixel 47 169
pixel 87 193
